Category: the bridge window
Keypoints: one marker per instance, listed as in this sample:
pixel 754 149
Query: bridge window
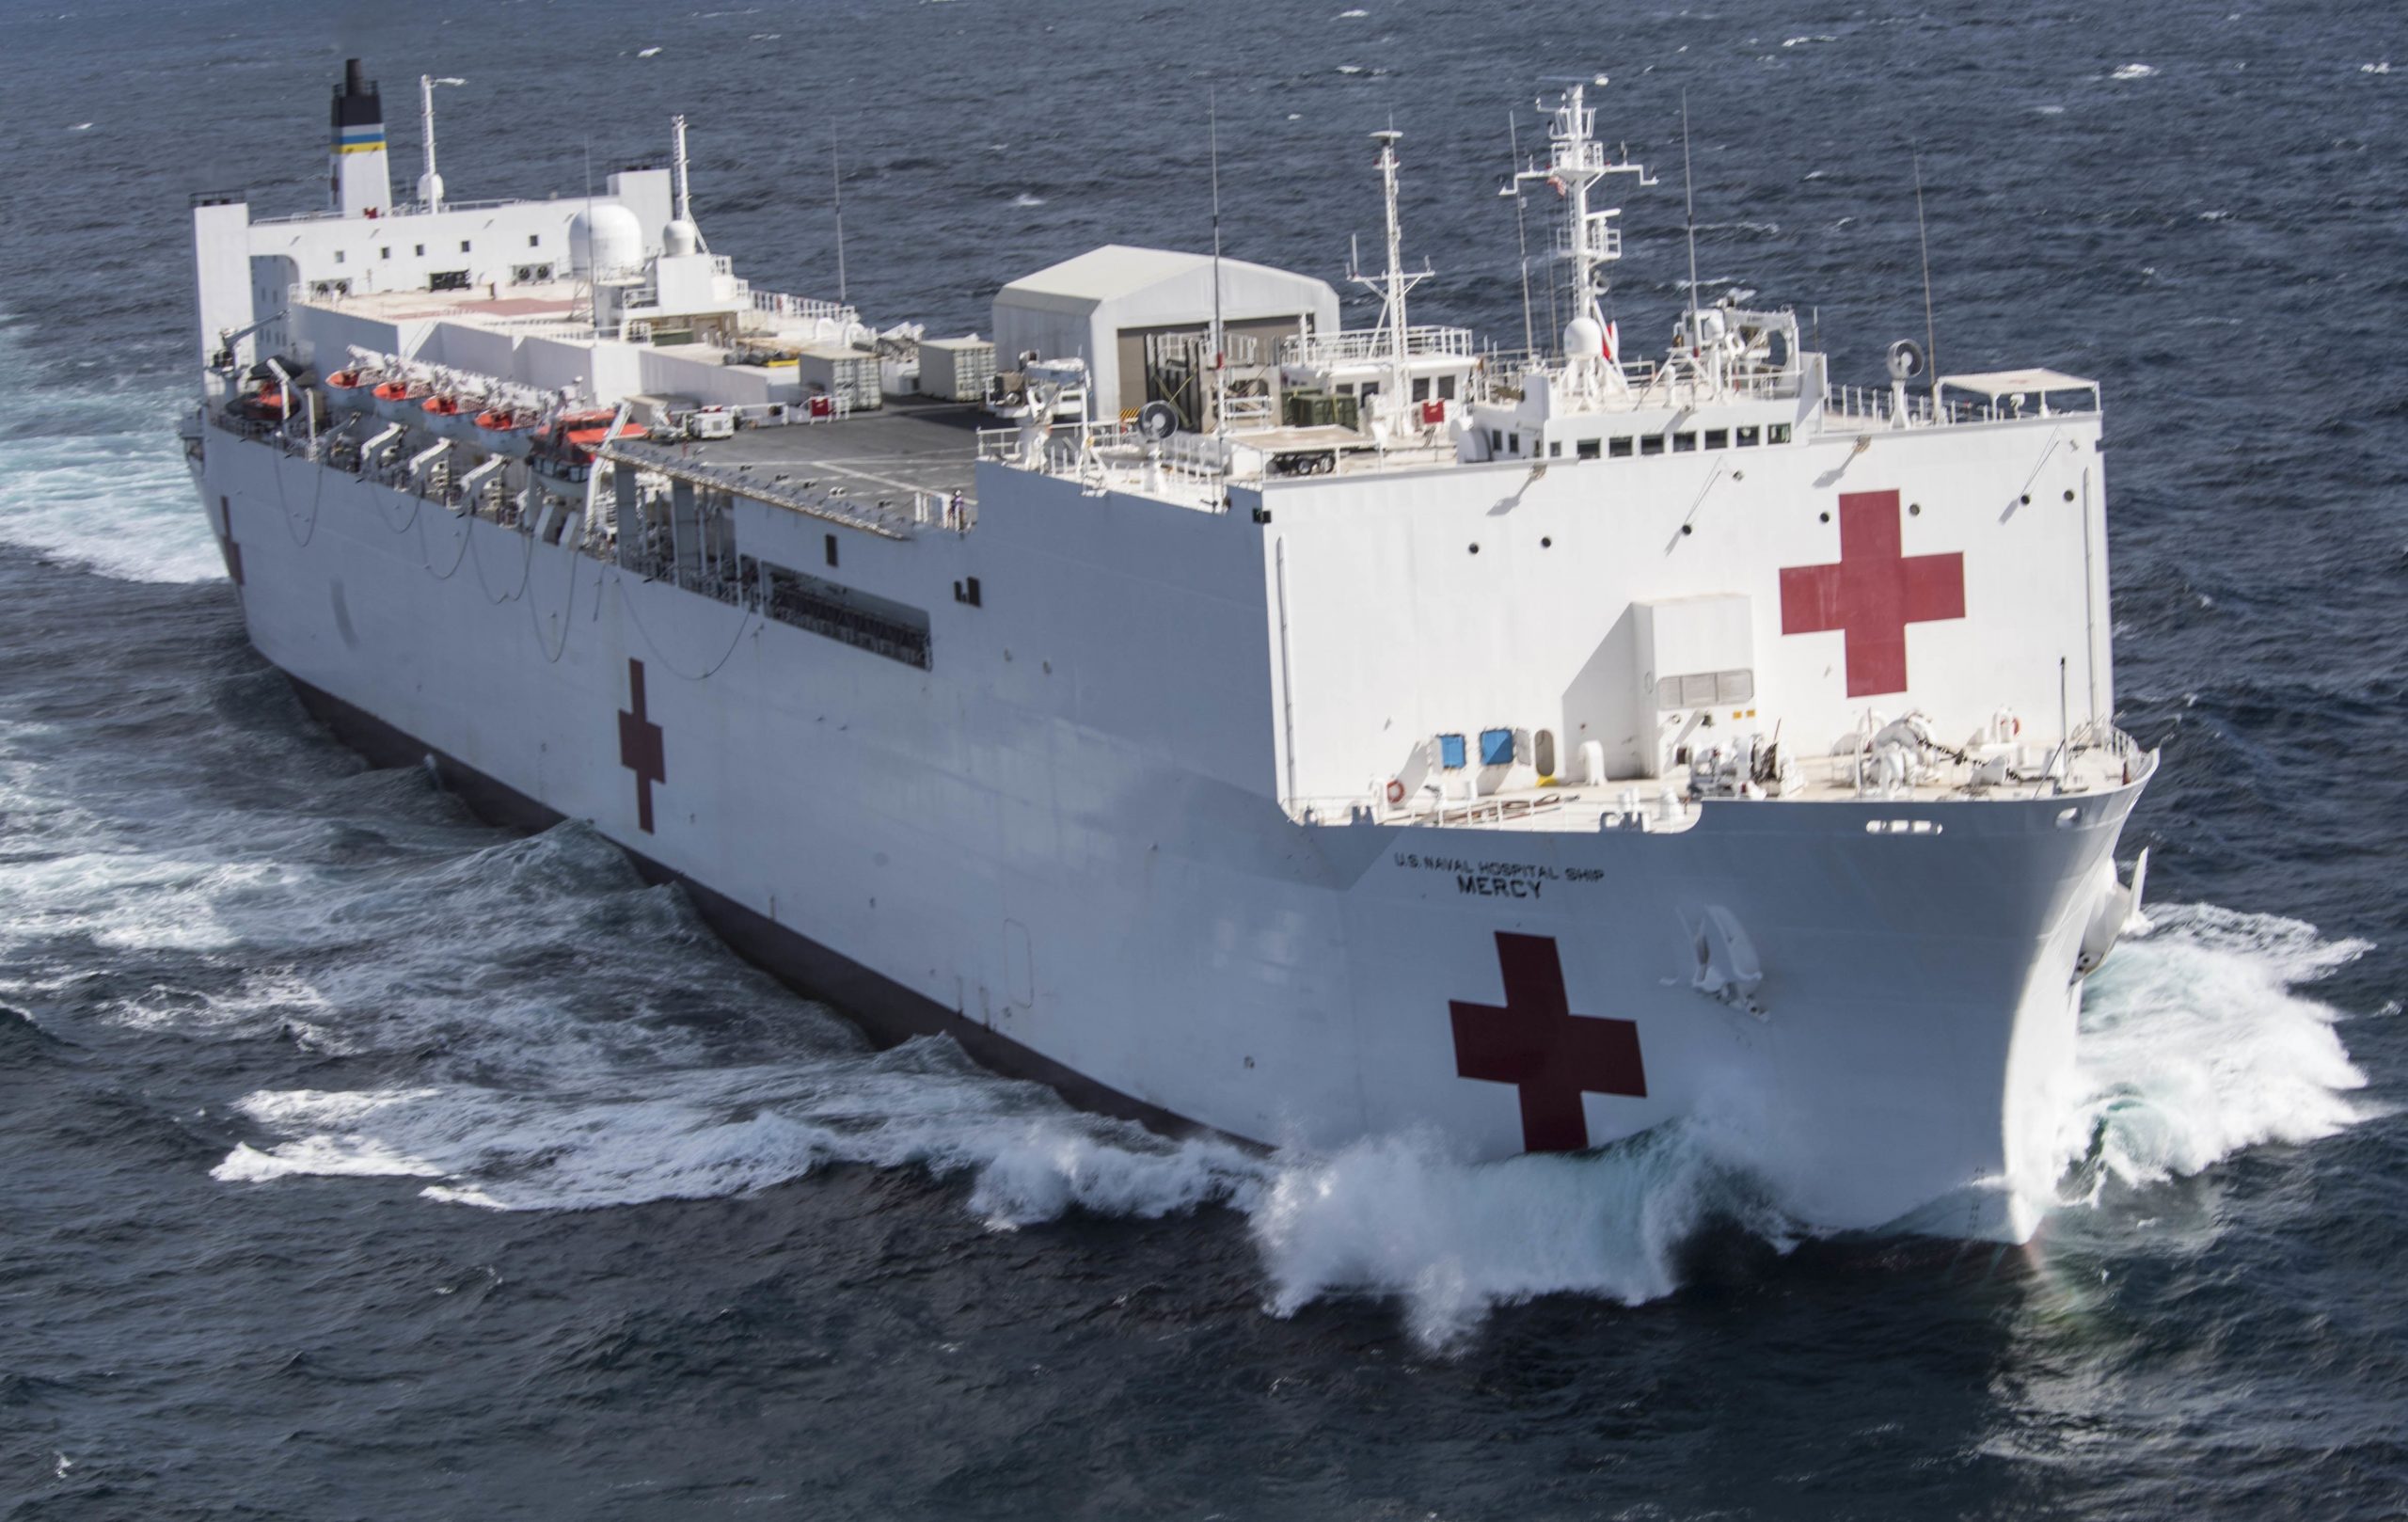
pixel 1619 449
pixel 1751 436
pixel 1450 752
pixel 1684 443
pixel 1651 444
pixel 1447 388
pixel 1496 747
pixel 1718 438
pixel 1777 433
pixel 1589 448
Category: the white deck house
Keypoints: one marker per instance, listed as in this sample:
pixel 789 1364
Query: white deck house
pixel 1104 305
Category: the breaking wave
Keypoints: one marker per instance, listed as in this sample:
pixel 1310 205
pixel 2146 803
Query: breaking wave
pixel 2197 1042
pixel 2198 1045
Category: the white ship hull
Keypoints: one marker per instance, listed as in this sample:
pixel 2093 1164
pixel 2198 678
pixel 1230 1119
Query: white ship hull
pixel 1160 940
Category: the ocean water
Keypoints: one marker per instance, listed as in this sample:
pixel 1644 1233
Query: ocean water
pixel 360 1160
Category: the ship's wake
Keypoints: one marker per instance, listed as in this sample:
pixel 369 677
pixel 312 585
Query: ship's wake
pixel 97 478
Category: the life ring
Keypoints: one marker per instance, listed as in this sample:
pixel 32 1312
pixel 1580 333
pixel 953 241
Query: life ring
pixel 1396 791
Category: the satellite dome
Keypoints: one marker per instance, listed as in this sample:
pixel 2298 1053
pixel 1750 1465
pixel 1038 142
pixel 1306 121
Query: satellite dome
pixel 1583 338
pixel 605 239
pixel 680 237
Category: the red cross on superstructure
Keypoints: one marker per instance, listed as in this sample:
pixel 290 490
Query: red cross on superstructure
pixel 639 747
pixel 1873 593
pixel 1536 1043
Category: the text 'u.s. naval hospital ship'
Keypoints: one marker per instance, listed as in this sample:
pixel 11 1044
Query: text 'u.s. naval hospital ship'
pixel 1302 732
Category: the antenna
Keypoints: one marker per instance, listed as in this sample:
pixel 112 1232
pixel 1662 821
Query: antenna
pixel 1688 189
pixel 1930 329
pixel 836 173
pixel 1395 283
pixel 678 161
pixel 1521 232
pixel 430 184
pixel 1213 140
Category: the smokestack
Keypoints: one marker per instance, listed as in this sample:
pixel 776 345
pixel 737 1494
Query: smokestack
pixel 361 179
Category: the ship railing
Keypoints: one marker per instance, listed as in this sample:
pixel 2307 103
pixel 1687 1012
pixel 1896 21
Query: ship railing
pixel 805 308
pixel 1359 345
pixel 1846 404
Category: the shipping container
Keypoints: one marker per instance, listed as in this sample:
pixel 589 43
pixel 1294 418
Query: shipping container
pixel 956 369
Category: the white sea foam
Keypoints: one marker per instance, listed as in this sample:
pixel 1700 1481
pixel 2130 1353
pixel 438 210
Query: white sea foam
pixel 2133 71
pixel 2197 1043
pixel 98 478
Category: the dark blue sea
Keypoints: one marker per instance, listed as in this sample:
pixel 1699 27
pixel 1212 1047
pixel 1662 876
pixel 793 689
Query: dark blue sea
pixel 358 1160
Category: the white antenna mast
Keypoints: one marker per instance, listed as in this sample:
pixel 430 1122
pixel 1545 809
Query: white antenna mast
pixel 1212 137
pixel 430 184
pixel 836 174
pixel 1576 162
pixel 1521 231
pixel 1688 189
pixel 1395 282
pixel 1930 329
pixel 677 160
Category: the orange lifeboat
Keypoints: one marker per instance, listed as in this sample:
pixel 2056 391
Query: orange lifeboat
pixel 348 391
pixel 399 400
pixel 565 447
pixel 506 432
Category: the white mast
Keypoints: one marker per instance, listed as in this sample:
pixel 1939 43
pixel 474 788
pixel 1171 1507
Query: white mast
pixel 1394 283
pixel 1220 342
pixel 1576 162
pixel 430 184
pixel 681 236
pixel 685 191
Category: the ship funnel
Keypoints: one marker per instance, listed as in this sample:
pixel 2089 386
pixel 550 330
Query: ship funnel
pixel 360 181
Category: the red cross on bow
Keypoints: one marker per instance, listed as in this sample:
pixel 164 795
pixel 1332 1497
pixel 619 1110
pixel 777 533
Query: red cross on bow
pixel 1873 593
pixel 639 748
pixel 1536 1043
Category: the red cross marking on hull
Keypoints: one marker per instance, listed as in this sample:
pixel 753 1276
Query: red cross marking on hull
pixel 639 747
pixel 1536 1043
pixel 1871 593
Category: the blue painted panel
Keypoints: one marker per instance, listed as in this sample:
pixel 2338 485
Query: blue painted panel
pixel 1450 752
pixel 1496 747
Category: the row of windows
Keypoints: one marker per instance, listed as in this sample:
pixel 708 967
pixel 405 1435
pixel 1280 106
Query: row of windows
pixel 534 240
pixel 1425 389
pixel 1685 442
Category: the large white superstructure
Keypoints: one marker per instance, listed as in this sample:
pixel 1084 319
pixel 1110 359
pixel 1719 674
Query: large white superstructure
pixel 1300 732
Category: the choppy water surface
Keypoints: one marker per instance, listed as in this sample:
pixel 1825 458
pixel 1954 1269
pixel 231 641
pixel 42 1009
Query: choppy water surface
pixel 363 1160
